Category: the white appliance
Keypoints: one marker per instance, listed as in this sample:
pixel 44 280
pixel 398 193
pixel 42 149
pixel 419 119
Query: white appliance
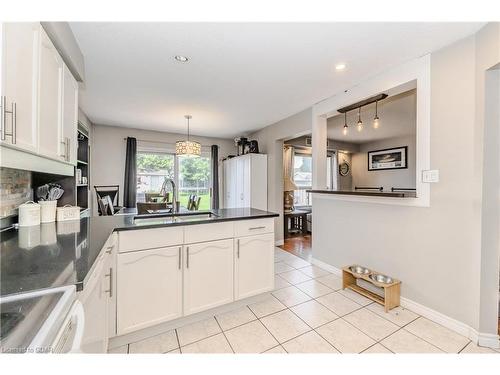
pixel 245 181
pixel 43 321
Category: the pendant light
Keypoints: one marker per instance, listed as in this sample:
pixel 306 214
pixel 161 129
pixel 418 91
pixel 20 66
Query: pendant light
pixel 345 124
pixel 187 147
pixel 376 120
pixel 360 123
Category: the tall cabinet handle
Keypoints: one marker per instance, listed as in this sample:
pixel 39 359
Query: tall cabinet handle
pixel 238 248
pixel 180 252
pixel 187 257
pixel 110 275
pixel 14 122
pixel 68 149
pixel 2 117
pixel 3 114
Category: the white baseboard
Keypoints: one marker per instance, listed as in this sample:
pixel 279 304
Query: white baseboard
pixel 279 242
pixel 482 339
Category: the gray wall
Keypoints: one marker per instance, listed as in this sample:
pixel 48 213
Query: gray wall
pixel 405 178
pixel 108 152
pixel 413 243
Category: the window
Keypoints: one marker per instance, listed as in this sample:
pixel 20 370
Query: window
pixel 192 175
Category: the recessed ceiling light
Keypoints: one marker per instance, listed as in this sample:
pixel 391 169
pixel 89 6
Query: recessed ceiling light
pixel 181 58
pixel 340 66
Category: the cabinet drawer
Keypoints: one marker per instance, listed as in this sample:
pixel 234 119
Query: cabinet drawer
pixel 150 238
pixel 208 232
pixel 251 227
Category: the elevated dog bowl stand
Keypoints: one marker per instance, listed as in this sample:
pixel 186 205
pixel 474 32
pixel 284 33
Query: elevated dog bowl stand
pixel 392 291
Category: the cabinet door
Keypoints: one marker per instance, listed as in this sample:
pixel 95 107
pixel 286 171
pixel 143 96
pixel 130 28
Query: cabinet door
pixel 242 181
pixel 68 144
pixel 149 285
pixel 18 83
pixel 230 183
pixel 208 275
pixel 94 300
pixel 50 98
pixel 254 265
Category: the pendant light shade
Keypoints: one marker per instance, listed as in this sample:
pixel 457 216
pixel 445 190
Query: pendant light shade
pixel 376 120
pixel 345 124
pixel 188 147
pixel 360 123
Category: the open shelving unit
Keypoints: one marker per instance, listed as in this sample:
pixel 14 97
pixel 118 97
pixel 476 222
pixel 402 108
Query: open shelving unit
pixel 83 165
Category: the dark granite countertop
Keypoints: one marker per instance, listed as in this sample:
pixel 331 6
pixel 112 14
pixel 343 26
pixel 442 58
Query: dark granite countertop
pixel 369 193
pixel 63 253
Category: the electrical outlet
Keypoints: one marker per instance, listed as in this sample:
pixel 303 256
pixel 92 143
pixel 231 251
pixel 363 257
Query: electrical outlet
pixel 431 175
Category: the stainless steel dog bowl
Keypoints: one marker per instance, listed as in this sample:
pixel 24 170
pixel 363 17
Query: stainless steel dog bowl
pixel 383 279
pixel 360 270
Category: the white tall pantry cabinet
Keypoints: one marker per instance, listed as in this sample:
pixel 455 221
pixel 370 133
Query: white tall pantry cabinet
pixel 245 181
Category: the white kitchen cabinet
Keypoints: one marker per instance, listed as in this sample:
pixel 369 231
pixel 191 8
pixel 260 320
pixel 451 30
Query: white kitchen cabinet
pixel 245 181
pixel 208 275
pixel 50 87
pixel 19 71
pixel 68 143
pixel 253 265
pixel 149 285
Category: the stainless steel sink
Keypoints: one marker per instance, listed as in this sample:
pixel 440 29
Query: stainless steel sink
pixel 177 217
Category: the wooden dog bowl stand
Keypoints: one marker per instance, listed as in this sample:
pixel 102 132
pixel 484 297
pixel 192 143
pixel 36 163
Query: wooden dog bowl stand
pixel 392 291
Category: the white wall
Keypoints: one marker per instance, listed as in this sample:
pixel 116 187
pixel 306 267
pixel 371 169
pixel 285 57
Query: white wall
pixel 403 178
pixel 436 251
pixel 109 149
pixel 271 143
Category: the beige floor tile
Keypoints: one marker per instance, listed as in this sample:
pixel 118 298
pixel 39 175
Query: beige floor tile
pixel 377 349
pixel 314 271
pixel 309 342
pixel 280 283
pixel 344 337
pixel 339 304
pixel 403 341
pixel 314 313
pixel 294 277
pixel 119 350
pixel 252 337
pixel 175 351
pixel 331 281
pixel 474 348
pixel 281 267
pixel 197 331
pixel 235 318
pixel 444 338
pixel 370 323
pixel 399 316
pixel 296 262
pixel 356 297
pixel 314 288
pixel 285 325
pixel 291 296
pixel 268 306
pixel 213 344
pixel 276 350
pixel 162 343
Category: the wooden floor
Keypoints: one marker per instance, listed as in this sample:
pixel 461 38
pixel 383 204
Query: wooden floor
pixel 299 245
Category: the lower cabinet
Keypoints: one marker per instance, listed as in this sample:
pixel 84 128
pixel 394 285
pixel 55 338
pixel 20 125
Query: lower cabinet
pixel 253 265
pixel 208 275
pixel 150 288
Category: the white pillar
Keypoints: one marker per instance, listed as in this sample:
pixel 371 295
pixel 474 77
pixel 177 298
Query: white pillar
pixel 319 139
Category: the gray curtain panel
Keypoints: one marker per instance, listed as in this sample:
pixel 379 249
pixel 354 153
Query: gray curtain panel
pixel 215 176
pixel 130 183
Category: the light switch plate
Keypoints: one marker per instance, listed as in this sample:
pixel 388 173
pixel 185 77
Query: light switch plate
pixel 431 175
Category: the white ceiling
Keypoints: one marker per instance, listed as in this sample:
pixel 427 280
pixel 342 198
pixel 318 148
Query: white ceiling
pixel 240 76
pixel 398 117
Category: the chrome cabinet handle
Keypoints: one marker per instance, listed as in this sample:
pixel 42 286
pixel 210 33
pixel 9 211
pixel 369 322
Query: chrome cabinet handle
pixel 65 148
pixel 110 290
pixel 14 122
pixel 180 251
pixel 187 257
pixel 254 228
pixel 238 248
pixel 110 249
pixel 2 117
pixel 68 147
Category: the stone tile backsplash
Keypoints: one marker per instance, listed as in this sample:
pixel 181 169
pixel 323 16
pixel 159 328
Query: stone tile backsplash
pixel 15 189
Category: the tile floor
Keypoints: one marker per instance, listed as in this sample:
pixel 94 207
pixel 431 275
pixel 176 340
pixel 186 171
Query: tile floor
pixel 308 312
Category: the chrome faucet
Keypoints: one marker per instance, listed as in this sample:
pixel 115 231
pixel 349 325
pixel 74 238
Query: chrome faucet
pixel 174 192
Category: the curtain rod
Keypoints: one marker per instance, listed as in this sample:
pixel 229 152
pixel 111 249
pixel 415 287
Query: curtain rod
pixel 166 143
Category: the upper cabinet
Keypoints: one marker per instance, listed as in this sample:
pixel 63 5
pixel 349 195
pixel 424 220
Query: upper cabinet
pixel 19 85
pixel 39 95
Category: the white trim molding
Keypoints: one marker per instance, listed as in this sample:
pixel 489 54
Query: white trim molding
pixel 482 339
